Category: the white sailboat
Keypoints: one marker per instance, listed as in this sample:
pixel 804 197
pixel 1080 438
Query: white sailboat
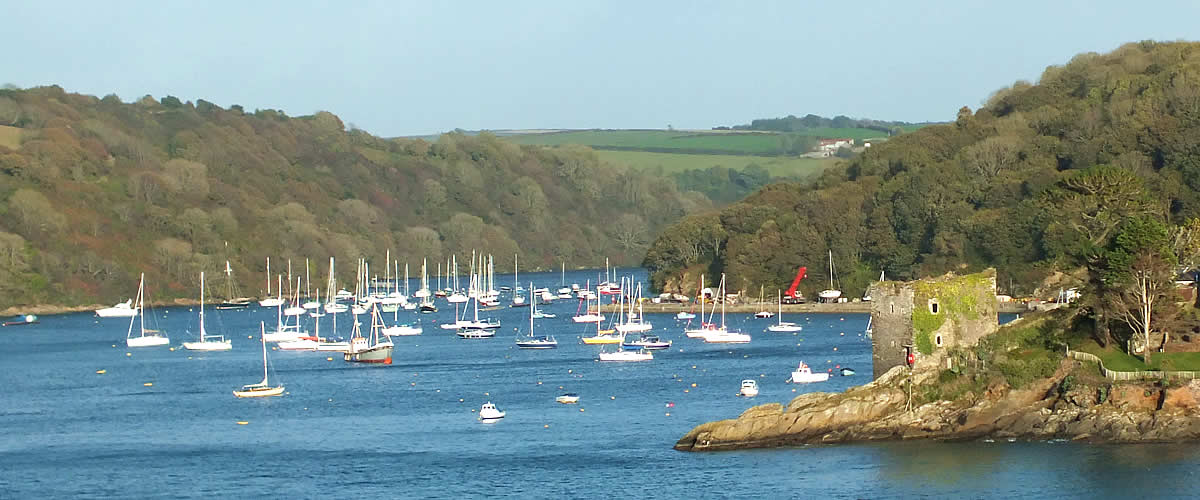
pixel 783 326
pixel 145 338
pixel 830 295
pixel 271 301
pixel 723 335
pixel 309 303
pixel 207 342
pixel 635 324
pixel 261 389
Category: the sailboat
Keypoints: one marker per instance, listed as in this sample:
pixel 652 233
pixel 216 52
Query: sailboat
pixel 370 349
pixel 638 324
pixel 398 330
pixel 535 342
pixel 518 299
pixel 564 291
pixel 232 301
pixel 271 301
pixel 309 303
pixel 426 306
pixel 333 307
pixel 723 335
pixel 762 313
pixel 689 315
pixel 830 295
pixel 261 389
pixel 207 342
pixel 783 326
pixel 605 337
pixel 145 338
pixel 706 324
pixel 588 316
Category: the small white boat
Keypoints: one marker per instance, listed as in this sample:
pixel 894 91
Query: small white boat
pixel 122 310
pixel 648 342
pixel 488 413
pixel 804 375
pixel 271 302
pixel 749 388
pixel 476 333
pixel 539 314
pixel 568 398
pixel 684 315
pixel 261 389
pixel 300 344
pixel 764 314
pixel 403 330
pixel 148 337
pixel 623 355
pixel 783 326
pixel 846 372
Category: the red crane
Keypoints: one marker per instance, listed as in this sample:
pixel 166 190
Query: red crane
pixel 791 291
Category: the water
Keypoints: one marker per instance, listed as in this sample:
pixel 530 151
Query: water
pixel 402 431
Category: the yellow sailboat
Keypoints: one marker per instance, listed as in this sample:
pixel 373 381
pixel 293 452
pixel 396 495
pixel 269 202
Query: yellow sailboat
pixel 602 336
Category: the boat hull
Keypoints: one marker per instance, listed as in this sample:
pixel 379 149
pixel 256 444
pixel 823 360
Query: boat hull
pixel 379 355
pixel 116 312
pixel 537 345
pixel 147 341
pixel 208 346
pixel 603 339
pixel 260 393
pixel 808 377
pixel 784 328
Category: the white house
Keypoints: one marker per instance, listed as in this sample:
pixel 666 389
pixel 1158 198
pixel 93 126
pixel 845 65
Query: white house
pixel 832 145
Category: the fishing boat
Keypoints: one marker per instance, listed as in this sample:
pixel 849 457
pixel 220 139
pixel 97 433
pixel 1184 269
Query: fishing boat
pixel 145 338
pixel 488 413
pixel 531 341
pixel 623 355
pixel 568 398
pixel 207 342
pixel 783 326
pixel 261 389
pixel 370 349
pixel 804 375
pixel 122 310
pixel 749 388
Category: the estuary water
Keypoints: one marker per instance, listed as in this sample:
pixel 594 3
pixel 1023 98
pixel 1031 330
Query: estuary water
pixel 163 423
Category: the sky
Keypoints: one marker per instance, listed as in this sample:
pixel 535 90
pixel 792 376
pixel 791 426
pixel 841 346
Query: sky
pixel 397 68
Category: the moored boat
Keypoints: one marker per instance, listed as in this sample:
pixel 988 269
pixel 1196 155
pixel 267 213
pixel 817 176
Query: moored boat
pixel 749 388
pixel 261 389
pixel 568 398
pixel 488 413
pixel 623 355
pixel 804 374
pixel 122 310
pixel 369 349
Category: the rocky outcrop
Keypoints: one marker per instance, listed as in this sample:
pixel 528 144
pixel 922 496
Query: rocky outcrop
pixel 877 411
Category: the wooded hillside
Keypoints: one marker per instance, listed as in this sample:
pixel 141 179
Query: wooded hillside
pixel 1043 178
pixel 94 191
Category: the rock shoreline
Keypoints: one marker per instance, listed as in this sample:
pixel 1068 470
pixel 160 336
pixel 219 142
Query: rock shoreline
pixel 1048 409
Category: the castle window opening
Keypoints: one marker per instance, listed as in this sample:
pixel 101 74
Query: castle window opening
pixel 938 340
pixel 933 306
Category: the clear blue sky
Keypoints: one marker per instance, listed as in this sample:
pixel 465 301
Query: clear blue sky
pixel 407 68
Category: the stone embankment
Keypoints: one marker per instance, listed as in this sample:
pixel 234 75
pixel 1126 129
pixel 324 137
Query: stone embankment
pixel 1048 409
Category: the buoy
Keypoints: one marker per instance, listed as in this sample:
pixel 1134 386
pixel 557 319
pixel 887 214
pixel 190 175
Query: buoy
pixel 189 357
pixel 547 426
pixel 693 384
pixel 762 375
pixel 148 384
pixel 539 382
pixel 670 404
pixel 685 390
pixel 414 384
pixel 841 319
pixel 328 359
pixel 414 374
pixel 560 387
pixel 114 345
pixel 460 400
pixel 472 410
pixel 437 390
pixel 837 366
pixel 843 334
pixel 581 409
pixel 242 422
pixel 331 399
pixel 668 414
pixel 835 348
pixel 793 390
pixel 612 397
pixel 570 371
pixel 487 394
pixel 101 372
pixel 172 349
pixel 129 354
pixel 249 337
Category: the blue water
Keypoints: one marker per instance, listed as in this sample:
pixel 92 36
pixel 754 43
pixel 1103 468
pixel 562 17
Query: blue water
pixel 408 430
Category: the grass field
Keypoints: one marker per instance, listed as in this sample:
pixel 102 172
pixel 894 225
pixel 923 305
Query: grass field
pixel 1115 359
pixel 10 137
pixel 657 139
pixel 778 166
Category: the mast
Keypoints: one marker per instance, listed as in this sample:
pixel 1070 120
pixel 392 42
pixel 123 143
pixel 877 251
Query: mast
pixel 142 302
pixel 307 281
pixel 202 305
pixel 268 277
pixel 263 337
pixel 531 313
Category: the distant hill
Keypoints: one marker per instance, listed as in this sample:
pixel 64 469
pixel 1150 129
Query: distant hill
pixel 1044 177
pixel 94 191
pixel 838 126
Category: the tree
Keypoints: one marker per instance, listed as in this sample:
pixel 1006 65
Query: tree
pixel 1141 266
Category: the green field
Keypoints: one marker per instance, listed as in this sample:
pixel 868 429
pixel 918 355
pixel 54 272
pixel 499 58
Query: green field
pixel 749 143
pixel 858 134
pixel 778 166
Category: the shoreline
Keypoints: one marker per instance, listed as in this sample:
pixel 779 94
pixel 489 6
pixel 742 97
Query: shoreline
pixel 52 309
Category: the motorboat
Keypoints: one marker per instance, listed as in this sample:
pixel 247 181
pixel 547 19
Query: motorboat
pixel 623 355
pixel 804 375
pixel 846 372
pixel 764 314
pixel 568 398
pixel 488 413
pixel 403 330
pixel 28 319
pixel 122 310
pixel 749 388
pixel 704 331
pixel 648 342
pixel 684 315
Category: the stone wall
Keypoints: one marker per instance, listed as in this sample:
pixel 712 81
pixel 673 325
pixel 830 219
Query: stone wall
pixel 891 324
pixel 931 316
